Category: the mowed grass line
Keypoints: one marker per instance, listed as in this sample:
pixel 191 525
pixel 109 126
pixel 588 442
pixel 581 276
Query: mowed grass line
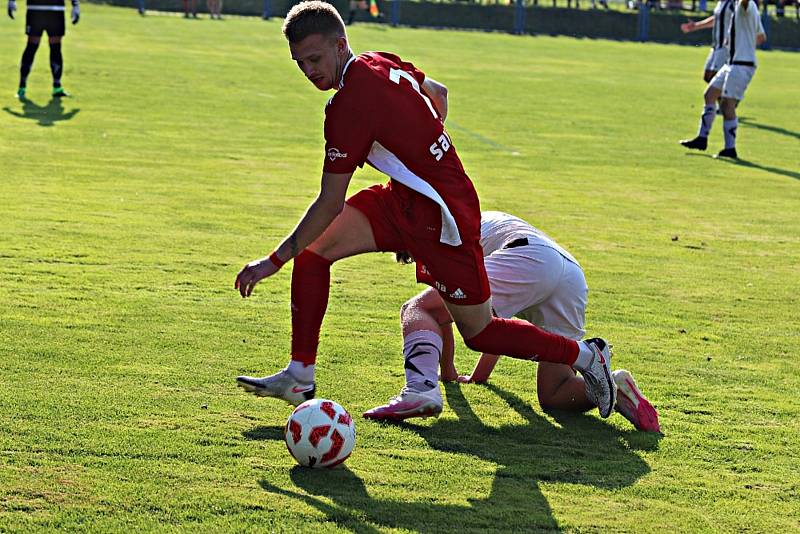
pixel 191 147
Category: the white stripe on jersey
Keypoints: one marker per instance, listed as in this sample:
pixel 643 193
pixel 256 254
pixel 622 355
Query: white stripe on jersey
pixel 45 8
pixel 722 9
pixel 389 164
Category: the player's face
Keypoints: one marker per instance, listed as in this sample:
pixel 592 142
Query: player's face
pixel 320 57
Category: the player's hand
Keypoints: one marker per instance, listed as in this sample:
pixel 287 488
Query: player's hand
pixel 686 27
pixel 467 379
pixel 12 6
pixel 253 273
pixel 449 375
pixel 76 13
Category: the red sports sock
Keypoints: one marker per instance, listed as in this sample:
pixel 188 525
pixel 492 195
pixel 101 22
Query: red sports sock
pixel 311 278
pixel 520 339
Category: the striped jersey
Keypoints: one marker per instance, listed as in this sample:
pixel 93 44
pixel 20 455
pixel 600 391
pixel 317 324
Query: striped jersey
pixel 722 16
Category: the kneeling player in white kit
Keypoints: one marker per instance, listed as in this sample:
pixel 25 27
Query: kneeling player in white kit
pixel 743 35
pixel 533 278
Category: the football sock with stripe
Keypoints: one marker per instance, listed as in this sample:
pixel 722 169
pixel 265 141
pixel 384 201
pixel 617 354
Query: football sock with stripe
pixel 421 350
pixel 56 63
pixel 521 339
pixel 311 278
pixel 729 127
pixel 706 120
pixel 27 63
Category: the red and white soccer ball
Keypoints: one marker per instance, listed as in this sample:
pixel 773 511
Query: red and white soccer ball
pixel 320 433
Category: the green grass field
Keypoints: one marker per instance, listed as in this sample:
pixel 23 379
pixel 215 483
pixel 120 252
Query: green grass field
pixel 191 147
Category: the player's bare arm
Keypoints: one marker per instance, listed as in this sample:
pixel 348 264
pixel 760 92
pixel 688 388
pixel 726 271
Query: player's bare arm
pixel 328 204
pixel 438 93
pixel 693 26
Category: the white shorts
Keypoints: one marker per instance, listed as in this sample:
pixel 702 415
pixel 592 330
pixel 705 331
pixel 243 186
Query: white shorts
pixel 733 80
pixel 539 285
pixel 717 58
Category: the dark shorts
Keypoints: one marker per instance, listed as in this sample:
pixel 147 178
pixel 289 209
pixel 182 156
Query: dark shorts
pixel 404 221
pixel 38 22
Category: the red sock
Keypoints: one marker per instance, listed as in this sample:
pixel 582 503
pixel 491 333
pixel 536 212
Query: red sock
pixel 311 278
pixel 520 339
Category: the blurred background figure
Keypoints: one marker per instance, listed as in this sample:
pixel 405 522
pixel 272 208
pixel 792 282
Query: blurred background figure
pixel 364 5
pixel 140 7
pixel 190 9
pixel 40 17
pixel 215 9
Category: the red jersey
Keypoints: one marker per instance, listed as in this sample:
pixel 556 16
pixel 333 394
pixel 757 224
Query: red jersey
pixel 380 115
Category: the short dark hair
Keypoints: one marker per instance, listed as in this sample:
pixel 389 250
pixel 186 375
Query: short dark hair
pixel 310 18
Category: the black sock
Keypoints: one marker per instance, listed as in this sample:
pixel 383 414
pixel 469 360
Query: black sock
pixel 56 63
pixel 351 17
pixel 27 63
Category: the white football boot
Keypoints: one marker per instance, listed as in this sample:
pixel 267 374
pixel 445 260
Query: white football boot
pixel 409 403
pixel 600 387
pixel 281 385
pixel 632 403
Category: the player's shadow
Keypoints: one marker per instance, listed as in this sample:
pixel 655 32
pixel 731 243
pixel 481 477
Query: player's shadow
pixel 47 115
pixel 745 163
pixel 582 450
pixel 750 123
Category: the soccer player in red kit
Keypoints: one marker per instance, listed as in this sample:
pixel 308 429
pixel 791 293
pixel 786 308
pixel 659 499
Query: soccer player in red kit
pixel 387 113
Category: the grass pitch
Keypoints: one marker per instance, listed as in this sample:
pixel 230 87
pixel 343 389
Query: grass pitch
pixel 191 147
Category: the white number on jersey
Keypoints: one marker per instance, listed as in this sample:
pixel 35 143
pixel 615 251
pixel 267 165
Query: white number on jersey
pixel 441 146
pixel 396 74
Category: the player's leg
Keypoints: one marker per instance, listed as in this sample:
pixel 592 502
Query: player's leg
pixel 362 226
pixel 349 234
pixel 34 30
pixel 729 126
pixel 56 65
pixel 732 93
pixel 426 328
pixel 469 304
pixel 559 388
pixel 712 94
pixel 520 339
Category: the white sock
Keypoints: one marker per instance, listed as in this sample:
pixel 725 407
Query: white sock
pixel 706 120
pixel 300 371
pixel 585 357
pixel 421 350
pixel 729 127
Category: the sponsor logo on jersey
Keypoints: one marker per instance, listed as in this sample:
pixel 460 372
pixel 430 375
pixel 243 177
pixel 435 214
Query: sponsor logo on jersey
pixel 440 286
pixel 334 154
pixel 458 294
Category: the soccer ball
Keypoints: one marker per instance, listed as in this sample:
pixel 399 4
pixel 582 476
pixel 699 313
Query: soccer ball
pixel 320 433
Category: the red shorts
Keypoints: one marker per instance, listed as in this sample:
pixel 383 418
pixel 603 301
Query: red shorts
pixel 402 220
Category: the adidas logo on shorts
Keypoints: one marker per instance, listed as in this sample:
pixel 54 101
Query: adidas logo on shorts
pixel 458 294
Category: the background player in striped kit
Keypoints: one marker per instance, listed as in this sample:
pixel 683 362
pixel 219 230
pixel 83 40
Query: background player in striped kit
pixel 743 35
pixel 718 22
pixel 44 16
